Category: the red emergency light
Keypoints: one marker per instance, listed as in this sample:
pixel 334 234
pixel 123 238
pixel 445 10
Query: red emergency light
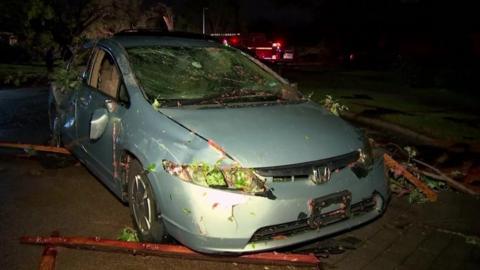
pixel 277 44
pixel 234 40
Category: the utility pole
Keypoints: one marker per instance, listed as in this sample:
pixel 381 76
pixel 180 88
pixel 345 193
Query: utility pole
pixel 203 19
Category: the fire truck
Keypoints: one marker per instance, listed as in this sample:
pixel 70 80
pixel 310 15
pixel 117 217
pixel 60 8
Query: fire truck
pixel 257 45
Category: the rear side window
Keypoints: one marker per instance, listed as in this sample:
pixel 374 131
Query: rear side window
pixel 104 74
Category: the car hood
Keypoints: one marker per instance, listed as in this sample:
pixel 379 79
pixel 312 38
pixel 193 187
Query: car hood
pixel 272 135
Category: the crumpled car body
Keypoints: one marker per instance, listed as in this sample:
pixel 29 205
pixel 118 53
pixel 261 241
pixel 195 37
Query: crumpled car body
pixel 295 172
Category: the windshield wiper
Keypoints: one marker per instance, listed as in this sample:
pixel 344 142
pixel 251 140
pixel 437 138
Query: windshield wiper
pixel 235 96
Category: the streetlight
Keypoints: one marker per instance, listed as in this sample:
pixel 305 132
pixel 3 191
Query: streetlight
pixel 203 19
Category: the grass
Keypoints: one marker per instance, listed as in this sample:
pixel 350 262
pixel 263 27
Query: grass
pixel 22 75
pixel 440 113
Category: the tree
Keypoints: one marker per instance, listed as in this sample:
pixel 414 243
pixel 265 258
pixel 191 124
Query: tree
pixel 62 23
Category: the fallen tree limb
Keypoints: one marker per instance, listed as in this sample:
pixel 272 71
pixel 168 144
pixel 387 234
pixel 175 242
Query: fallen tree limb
pixel 413 136
pixel 441 176
pixel 167 250
pixel 35 147
pixel 392 164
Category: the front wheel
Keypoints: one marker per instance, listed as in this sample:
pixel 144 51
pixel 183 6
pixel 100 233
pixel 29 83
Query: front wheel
pixel 142 205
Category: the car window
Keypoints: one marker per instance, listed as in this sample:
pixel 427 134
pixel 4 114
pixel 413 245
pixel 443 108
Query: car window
pixel 198 72
pixel 105 75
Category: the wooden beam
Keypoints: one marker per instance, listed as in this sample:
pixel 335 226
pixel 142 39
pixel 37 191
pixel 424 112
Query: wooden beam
pixel 392 164
pixel 48 259
pixel 41 148
pixel 168 250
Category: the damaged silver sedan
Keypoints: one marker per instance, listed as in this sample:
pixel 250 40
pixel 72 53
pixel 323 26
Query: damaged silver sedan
pixel 213 148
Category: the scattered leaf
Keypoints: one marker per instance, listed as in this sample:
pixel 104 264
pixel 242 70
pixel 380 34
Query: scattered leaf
pixel 128 234
pixel 187 211
pixel 156 105
pixel 196 64
pixel 30 152
pixel 333 105
pixel 151 167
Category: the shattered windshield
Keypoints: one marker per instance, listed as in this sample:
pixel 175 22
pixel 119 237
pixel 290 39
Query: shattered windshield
pixel 196 73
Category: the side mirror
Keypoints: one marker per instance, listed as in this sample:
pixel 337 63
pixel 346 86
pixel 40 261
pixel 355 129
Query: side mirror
pixel 98 123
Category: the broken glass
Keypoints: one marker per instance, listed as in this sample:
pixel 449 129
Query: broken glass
pixel 197 73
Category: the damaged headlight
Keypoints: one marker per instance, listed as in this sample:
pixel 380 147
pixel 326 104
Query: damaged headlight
pixel 365 160
pixel 217 176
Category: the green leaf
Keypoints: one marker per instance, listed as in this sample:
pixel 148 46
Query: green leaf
pixel 416 196
pixel 156 105
pixel 197 64
pixel 151 167
pixel 128 234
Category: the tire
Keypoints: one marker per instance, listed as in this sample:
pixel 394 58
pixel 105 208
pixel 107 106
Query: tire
pixel 142 206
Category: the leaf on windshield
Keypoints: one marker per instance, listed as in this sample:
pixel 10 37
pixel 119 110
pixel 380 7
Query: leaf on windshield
pixel 156 105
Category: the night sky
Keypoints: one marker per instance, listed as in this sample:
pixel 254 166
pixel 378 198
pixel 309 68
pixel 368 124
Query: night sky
pixel 303 19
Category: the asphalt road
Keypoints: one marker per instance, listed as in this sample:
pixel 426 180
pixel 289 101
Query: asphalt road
pixel 24 115
pixel 36 200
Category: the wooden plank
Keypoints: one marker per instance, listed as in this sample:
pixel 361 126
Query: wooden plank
pixel 41 148
pixel 168 250
pixel 392 164
pixel 48 259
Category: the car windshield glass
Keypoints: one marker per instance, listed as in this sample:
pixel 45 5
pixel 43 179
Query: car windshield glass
pixel 199 73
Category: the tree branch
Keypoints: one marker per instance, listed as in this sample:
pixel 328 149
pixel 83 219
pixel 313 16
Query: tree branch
pixel 441 176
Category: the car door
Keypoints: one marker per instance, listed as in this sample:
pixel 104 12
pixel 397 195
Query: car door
pixel 101 104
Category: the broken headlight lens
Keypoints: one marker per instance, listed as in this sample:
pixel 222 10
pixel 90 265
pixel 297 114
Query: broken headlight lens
pixel 364 164
pixel 217 176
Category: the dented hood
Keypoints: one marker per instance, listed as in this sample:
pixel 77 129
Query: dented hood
pixel 273 135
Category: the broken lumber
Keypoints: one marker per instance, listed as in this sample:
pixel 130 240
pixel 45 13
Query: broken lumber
pixel 48 259
pixel 392 164
pixel 167 250
pixel 35 147
pixel 442 177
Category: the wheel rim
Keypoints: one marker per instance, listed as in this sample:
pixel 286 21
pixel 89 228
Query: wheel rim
pixel 142 204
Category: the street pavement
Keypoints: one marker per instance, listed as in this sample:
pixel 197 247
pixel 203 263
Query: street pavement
pixel 36 200
pixel 24 115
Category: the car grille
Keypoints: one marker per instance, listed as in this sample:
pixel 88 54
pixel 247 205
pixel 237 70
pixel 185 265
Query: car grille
pixel 303 170
pixel 284 230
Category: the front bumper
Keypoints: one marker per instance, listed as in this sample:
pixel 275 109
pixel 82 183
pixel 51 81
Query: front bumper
pixel 216 221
